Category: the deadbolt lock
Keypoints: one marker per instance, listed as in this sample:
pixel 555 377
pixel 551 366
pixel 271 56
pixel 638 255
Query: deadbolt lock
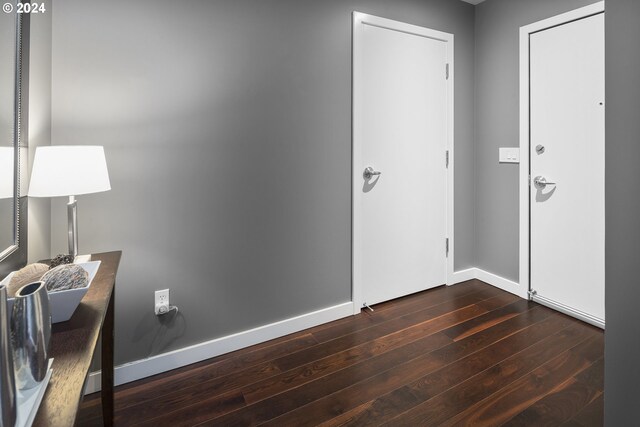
pixel 370 173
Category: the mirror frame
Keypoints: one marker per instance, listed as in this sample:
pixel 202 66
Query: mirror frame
pixel 15 256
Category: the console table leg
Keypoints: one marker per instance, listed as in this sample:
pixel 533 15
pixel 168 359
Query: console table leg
pixel 107 363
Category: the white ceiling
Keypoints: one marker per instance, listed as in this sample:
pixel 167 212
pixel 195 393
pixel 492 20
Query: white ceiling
pixel 473 1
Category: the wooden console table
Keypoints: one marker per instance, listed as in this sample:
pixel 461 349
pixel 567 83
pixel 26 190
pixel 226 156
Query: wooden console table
pixel 73 344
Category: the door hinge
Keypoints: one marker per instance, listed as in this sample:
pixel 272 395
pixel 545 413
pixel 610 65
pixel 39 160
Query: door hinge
pixel 529 180
pixel 532 293
pixel 447 246
pixel 446 158
pixel 447 72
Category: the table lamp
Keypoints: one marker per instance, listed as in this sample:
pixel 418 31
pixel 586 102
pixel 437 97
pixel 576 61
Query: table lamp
pixel 69 171
pixel 7 158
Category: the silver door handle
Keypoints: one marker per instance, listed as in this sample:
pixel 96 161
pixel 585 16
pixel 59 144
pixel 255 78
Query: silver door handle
pixel 369 173
pixel 541 181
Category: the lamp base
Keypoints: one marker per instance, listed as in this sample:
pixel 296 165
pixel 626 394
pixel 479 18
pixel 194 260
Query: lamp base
pixel 81 258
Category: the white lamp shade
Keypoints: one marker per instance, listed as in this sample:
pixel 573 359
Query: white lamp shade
pixel 7 157
pixel 68 171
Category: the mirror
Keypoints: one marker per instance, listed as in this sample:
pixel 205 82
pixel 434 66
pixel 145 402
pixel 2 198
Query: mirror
pixel 13 125
pixel 7 149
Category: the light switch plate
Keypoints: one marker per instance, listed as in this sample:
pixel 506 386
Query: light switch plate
pixel 509 155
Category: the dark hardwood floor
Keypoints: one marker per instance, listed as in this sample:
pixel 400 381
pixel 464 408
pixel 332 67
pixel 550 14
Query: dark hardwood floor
pixel 469 354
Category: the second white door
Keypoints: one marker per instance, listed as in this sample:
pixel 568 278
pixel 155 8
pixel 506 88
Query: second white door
pixel 401 125
pixel 567 150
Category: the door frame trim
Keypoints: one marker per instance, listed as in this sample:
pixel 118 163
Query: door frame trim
pixel 356 211
pixel 525 165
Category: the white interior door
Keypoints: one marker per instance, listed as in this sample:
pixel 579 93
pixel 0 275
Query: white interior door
pixel 567 148
pixel 401 119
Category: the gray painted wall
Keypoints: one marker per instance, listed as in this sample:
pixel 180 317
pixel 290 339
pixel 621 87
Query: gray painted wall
pixel 622 346
pixel 39 237
pixel 497 106
pixel 227 130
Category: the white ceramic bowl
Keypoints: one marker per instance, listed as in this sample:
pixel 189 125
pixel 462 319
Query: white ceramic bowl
pixel 64 303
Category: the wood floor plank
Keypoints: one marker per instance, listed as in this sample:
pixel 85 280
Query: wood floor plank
pixel 257 387
pixel 351 340
pixel 397 307
pixel 531 313
pixel 388 310
pixel 500 300
pixel 245 362
pixel 225 392
pixel 522 393
pixel 344 400
pixel 487 320
pixel 341 360
pixel 559 406
pixel 593 376
pixel 437 295
pixel 403 399
pixel 469 353
pixel 477 388
pixel 591 416
pixel 440 296
pixel 292 399
pixel 424 299
pixel 436 319
pixel 148 414
pixel 213 382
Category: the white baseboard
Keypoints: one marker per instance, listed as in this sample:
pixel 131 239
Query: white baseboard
pixel 570 311
pixel 462 276
pixel 185 356
pixel 490 278
pixel 502 283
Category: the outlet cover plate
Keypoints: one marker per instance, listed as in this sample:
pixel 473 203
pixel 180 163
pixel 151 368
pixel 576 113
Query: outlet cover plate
pixel 162 297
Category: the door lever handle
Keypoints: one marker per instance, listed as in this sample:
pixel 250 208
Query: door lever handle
pixel 369 173
pixel 541 182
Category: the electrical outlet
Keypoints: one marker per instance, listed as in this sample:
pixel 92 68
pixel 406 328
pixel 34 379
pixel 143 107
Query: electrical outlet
pixel 162 302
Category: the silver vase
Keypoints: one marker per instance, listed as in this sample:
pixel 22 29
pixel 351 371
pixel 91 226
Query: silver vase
pixel 30 334
pixel 8 409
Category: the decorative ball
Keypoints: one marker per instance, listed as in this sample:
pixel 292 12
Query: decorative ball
pixel 29 274
pixel 67 276
pixel 61 260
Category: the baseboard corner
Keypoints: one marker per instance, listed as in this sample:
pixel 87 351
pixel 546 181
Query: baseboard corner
pixel 462 276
